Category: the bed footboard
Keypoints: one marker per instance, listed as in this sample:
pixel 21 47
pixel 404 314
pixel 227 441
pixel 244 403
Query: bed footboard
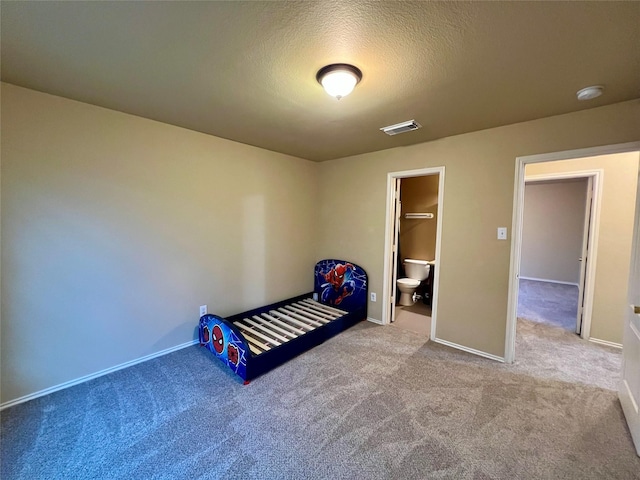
pixel 226 342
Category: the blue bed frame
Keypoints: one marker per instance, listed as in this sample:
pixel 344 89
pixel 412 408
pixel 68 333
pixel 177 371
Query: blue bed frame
pixel 338 285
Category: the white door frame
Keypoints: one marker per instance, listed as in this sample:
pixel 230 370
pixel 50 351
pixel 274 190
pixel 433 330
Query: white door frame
pixel 389 229
pixel 594 228
pixel 516 224
pixel 395 247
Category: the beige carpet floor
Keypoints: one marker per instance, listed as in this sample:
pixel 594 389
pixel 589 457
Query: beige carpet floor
pixel 555 304
pixel 372 403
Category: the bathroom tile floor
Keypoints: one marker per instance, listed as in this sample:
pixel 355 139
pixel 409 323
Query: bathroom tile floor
pixel 416 318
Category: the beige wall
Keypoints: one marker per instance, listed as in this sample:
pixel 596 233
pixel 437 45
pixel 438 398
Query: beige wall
pixel 116 228
pixel 614 239
pixel 418 236
pixel 478 198
pixel 553 229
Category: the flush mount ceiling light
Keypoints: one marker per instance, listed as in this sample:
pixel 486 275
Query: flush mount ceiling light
pixel 588 93
pixel 339 79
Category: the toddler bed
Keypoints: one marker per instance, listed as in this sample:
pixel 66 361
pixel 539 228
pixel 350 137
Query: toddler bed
pixel 254 342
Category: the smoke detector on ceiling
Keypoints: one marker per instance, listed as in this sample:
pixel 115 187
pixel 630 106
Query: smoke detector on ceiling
pixel 407 126
pixel 588 93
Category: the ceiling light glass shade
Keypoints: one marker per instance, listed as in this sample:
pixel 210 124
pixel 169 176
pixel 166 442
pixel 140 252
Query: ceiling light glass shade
pixel 339 83
pixel 339 80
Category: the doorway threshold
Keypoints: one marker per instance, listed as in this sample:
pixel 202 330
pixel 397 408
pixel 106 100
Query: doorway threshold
pixel 415 318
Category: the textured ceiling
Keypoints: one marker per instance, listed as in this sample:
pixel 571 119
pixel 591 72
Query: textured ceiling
pixel 246 70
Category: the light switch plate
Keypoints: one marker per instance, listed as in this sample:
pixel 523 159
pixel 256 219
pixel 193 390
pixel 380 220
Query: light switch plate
pixel 203 310
pixel 502 233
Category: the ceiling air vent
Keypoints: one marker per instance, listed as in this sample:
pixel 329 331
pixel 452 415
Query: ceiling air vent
pixel 401 127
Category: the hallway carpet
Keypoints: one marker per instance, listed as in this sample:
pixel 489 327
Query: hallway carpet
pixel 372 403
pixel 546 302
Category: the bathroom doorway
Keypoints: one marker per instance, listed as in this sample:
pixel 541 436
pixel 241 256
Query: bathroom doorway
pixel 412 249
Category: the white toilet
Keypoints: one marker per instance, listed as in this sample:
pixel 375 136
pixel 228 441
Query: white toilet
pixel 417 270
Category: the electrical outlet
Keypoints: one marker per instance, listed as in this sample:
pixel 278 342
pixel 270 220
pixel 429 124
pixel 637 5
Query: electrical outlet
pixel 203 310
pixel 502 233
pixel 373 297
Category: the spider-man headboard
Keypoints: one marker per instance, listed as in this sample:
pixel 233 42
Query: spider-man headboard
pixel 341 284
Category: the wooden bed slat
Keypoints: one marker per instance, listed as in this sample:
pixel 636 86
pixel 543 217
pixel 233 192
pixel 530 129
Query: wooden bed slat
pixel 306 316
pixel 289 310
pixel 270 329
pixel 312 312
pixel 303 325
pixel 294 331
pixel 324 307
pixel 253 349
pixel 271 324
pixel 255 343
pixel 317 311
pixel 244 327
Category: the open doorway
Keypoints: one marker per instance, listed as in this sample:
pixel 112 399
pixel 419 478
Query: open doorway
pixel 412 249
pixel 559 233
pixel 615 305
pixel 610 234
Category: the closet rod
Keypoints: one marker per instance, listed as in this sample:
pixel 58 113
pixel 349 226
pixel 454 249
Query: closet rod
pixel 417 216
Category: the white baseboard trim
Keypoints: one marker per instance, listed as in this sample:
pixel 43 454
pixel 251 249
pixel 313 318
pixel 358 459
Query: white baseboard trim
pixel 605 342
pixel 91 376
pixel 374 320
pixel 473 351
pixel 548 281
